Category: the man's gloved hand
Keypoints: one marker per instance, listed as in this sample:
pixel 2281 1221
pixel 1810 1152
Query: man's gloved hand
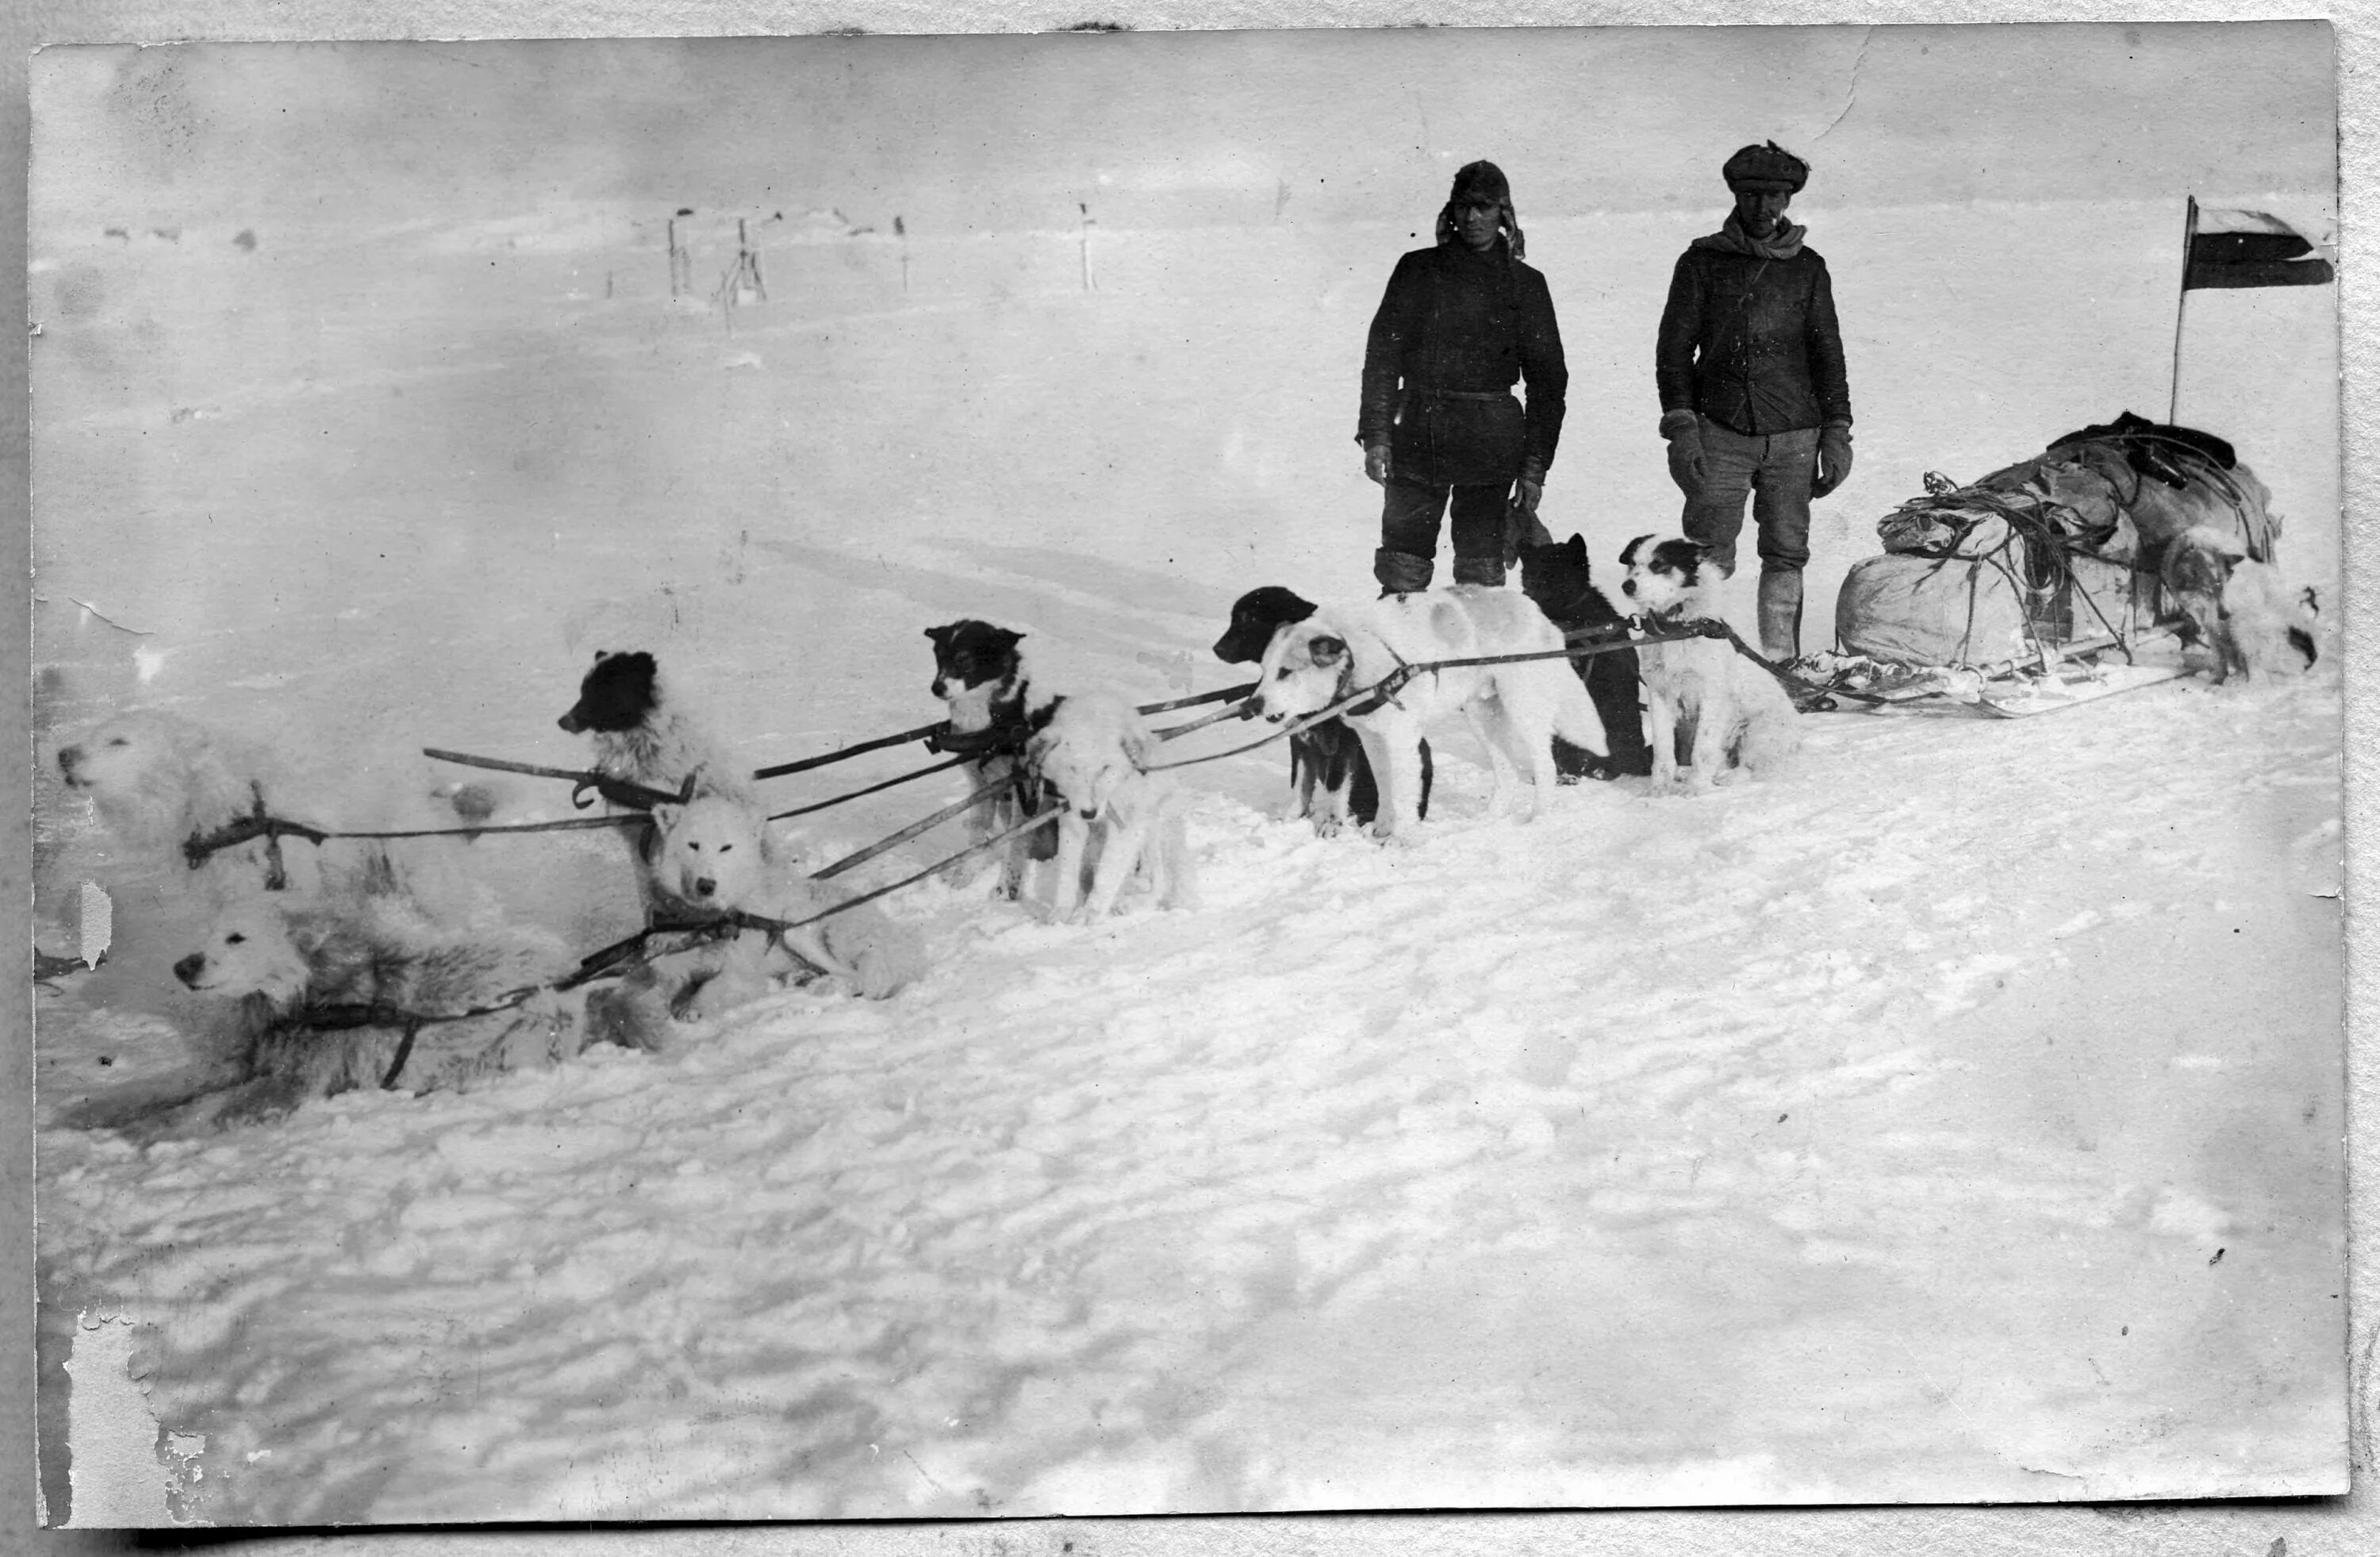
pixel 1684 432
pixel 1529 490
pixel 1376 462
pixel 1522 526
pixel 1834 459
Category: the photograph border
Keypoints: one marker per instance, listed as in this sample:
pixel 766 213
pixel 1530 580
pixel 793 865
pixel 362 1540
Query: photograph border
pixel 2291 1526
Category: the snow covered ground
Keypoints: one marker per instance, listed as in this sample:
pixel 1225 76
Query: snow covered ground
pixel 1956 1118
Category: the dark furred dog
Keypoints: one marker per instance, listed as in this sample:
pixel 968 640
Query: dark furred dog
pixel 981 676
pixel 1328 757
pixel 1558 579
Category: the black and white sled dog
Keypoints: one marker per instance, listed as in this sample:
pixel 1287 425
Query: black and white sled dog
pixel 1516 709
pixel 644 733
pixel 158 780
pixel 981 676
pixel 1328 770
pixel 1091 758
pixel 2236 609
pixel 1558 578
pixel 1742 719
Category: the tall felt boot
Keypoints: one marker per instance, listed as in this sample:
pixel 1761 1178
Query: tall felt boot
pixel 1781 613
pixel 1488 570
pixel 1401 573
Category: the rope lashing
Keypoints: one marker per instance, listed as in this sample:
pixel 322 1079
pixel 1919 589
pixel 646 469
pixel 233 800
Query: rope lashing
pixel 619 792
pixel 198 846
pixel 897 839
pixel 1395 681
pixel 257 823
pixel 857 793
pixel 345 1016
pixel 940 738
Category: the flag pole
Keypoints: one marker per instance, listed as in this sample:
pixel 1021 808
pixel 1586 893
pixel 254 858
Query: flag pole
pixel 2189 237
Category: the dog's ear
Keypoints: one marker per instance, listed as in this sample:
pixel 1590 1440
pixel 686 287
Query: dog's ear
pixel 308 933
pixel 1574 549
pixel 1140 746
pixel 942 635
pixel 667 814
pixel 1326 650
pixel 1628 554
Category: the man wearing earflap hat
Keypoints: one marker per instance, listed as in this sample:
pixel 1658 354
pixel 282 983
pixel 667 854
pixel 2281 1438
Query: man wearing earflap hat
pixel 1755 399
pixel 1460 323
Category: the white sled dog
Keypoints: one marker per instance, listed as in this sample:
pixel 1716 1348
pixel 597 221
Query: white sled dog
pixel 1516 709
pixel 1741 719
pixel 1091 755
pixel 2238 610
pixel 157 780
pixel 326 989
pixel 710 856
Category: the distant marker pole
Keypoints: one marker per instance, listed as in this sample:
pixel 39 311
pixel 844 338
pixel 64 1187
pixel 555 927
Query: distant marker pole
pixel 2189 237
pixel 1090 284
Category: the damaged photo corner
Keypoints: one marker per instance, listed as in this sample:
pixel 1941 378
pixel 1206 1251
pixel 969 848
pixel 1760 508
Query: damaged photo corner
pixel 1865 1029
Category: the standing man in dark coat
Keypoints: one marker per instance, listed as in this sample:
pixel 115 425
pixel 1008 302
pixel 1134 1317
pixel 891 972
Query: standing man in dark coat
pixel 1754 398
pixel 1460 323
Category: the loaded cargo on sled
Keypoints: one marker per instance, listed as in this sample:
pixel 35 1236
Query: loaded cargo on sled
pixel 2038 586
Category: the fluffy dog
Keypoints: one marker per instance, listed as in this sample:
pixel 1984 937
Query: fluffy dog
pixel 644 734
pixel 2237 610
pixel 1558 578
pixel 711 852
pixel 1091 755
pixel 1516 709
pixel 1328 758
pixel 981 677
pixel 1741 718
pixel 158 779
pixel 301 972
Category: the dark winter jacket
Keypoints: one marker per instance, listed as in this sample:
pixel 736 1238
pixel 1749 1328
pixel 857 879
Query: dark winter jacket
pixel 1455 330
pixel 1752 343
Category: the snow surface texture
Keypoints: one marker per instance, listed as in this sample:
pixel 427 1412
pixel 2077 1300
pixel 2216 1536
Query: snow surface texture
pixel 1956 1117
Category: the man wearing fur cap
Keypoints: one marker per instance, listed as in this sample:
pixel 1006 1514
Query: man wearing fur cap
pixel 1460 323
pixel 1754 400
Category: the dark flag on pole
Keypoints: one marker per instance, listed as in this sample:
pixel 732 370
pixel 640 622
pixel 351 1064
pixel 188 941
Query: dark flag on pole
pixel 2249 248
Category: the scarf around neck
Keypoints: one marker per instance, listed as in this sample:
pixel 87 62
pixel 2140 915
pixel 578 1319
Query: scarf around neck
pixel 1784 244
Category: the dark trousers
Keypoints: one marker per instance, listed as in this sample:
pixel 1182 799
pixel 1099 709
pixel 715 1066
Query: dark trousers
pixel 1409 517
pixel 1775 470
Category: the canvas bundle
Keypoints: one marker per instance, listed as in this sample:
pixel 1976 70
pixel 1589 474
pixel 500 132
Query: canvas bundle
pixel 2065 544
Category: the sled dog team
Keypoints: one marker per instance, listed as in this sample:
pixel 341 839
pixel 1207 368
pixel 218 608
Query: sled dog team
pixel 379 962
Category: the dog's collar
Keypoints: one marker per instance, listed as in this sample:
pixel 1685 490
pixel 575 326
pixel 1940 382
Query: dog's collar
pixel 1378 701
pixel 1004 737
